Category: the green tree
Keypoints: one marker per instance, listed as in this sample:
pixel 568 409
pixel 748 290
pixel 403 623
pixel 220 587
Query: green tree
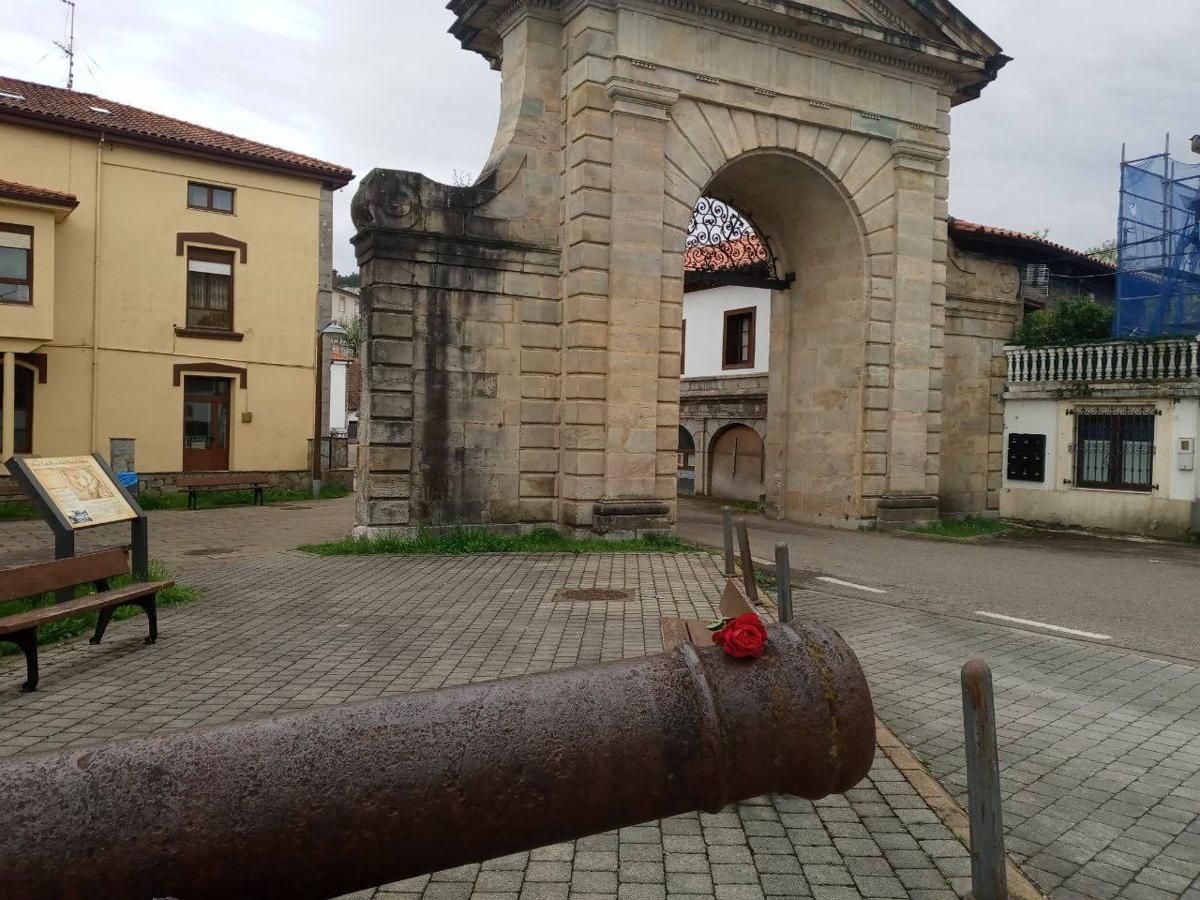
pixel 1105 252
pixel 356 333
pixel 1075 320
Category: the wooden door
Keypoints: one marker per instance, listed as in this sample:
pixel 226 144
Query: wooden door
pixel 737 464
pixel 205 424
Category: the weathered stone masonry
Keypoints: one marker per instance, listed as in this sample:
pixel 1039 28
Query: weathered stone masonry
pixel 523 357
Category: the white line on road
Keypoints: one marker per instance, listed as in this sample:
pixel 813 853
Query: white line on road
pixel 850 584
pixel 1072 631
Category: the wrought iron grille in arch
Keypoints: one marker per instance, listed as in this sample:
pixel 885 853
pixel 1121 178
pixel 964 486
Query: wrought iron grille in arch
pixel 723 247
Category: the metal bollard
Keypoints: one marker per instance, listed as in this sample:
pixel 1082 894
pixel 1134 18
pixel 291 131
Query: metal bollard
pixel 331 801
pixel 747 564
pixel 727 533
pixel 783 582
pixel 989 878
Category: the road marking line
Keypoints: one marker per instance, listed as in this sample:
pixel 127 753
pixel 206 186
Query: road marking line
pixel 1072 631
pixel 850 584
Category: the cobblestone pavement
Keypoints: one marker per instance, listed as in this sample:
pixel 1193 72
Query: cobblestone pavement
pixel 185 538
pixel 285 631
pixel 1100 747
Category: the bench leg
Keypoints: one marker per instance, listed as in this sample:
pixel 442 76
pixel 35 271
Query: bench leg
pixel 191 504
pixel 150 608
pixel 258 496
pixel 102 620
pixel 27 641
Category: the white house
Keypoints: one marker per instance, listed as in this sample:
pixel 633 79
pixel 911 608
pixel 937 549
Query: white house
pixel 1104 435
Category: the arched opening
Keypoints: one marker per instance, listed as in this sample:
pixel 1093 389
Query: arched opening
pixel 736 464
pixel 686 463
pixel 792 263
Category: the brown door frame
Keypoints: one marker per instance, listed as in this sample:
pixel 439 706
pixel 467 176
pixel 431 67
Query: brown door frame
pixel 212 456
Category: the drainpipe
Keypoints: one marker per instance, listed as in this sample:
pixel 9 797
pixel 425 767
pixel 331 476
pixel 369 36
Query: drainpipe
pixel 94 417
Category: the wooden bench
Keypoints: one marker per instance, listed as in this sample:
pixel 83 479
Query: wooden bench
pixel 45 577
pixel 9 489
pixel 232 481
pixel 734 602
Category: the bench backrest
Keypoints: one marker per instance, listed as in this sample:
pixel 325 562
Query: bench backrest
pixel 10 488
pixel 220 480
pixel 44 577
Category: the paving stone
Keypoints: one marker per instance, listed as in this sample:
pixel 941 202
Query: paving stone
pixel 1097 776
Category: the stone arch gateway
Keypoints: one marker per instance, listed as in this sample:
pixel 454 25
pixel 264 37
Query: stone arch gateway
pixel 522 356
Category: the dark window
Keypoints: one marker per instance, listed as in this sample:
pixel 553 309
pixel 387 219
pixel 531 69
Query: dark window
pixel 738 342
pixel 210 289
pixel 16 263
pixel 1037 279
pixel 22 409
pixel 1027 457
pixel 1115 449
pixel 208 196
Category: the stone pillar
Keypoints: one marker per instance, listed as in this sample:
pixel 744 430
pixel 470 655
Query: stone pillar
pixel 909 497
pixel 9 405
pixel 120 454
pixel 641 431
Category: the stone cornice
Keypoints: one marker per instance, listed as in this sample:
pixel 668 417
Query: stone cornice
pixel 961 68
pixel 637 98
pixel 917 156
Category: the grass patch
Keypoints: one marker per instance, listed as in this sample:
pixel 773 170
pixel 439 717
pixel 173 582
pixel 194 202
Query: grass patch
pixel 214 499
pixel 478 540
pixel 962 529
pixel 68 628
pixel 16 510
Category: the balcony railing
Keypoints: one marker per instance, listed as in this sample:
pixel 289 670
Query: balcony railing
pixel 1117 361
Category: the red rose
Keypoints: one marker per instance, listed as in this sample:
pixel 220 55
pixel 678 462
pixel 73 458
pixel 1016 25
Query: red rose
pixel 743 636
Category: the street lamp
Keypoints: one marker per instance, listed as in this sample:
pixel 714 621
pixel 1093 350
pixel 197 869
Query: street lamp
pixel 336 330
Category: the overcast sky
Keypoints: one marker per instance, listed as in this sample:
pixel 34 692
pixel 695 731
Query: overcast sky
pixel 368 83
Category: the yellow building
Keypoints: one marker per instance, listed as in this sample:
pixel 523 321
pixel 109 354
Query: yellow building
pixel 159 281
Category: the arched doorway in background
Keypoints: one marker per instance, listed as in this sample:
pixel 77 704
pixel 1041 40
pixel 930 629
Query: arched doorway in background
pixel 736 467
pixel 686 463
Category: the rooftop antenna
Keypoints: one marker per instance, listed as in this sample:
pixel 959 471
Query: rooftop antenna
pixel 69 47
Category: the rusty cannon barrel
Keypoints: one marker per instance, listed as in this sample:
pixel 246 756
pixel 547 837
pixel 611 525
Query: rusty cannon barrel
pixel 323 803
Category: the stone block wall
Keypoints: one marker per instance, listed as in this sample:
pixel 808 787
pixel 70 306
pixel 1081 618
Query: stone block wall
pixel 524 333
pixel 983 308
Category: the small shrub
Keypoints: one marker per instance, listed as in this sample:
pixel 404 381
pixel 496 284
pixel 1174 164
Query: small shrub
pixel 1075 320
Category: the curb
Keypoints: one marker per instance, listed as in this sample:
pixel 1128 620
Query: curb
pixel 942 802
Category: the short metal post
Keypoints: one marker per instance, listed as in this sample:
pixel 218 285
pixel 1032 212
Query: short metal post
pixel 989 880
pixel 783 582
pixel 727 528
pixel 64 548
pixel 747 563
pixel 140 541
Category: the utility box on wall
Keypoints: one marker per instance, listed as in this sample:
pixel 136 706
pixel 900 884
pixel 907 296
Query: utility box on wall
pixel 1185 454
pixel 1026 457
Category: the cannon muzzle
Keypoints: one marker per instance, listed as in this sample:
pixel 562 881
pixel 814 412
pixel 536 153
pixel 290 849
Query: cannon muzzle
pixel 326 802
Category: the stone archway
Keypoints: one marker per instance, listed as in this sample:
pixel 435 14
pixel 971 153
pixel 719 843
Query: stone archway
pixel 524 333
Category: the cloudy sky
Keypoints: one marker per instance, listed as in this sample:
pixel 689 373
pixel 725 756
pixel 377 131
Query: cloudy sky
pixel 370 83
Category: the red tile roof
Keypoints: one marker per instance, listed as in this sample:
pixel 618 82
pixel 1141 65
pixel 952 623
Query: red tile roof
pixel 729 255
pixel 77 111
pixel 10 190
pixel 960 228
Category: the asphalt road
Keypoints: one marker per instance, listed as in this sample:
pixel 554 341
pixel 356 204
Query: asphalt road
pixel 1140 595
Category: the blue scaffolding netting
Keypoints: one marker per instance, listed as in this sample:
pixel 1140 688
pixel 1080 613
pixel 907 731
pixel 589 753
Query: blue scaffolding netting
pixel 1158 280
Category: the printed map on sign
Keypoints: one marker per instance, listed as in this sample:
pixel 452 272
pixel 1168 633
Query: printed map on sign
pixel 81 490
